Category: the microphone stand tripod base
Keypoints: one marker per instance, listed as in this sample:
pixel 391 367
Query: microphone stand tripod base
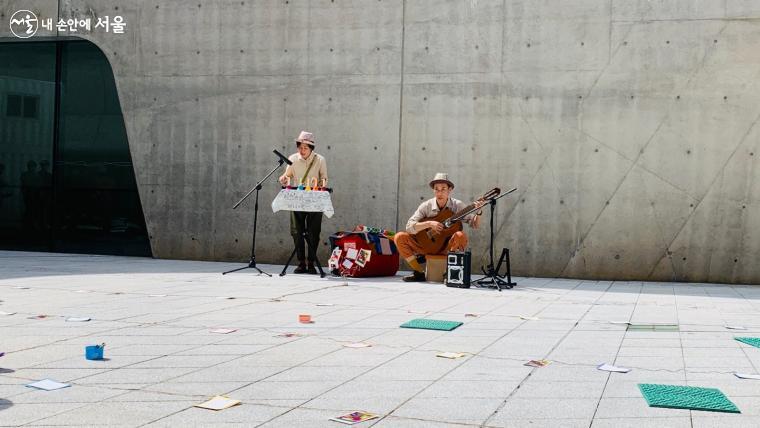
pixel 256 188
pixel 492 279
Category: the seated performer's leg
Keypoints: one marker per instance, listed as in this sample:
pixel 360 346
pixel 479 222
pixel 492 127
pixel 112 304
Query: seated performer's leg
pixel 458 242
pixel 409 249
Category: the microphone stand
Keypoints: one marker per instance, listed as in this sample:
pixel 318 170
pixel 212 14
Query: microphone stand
pixel 257 187
pixel 492 278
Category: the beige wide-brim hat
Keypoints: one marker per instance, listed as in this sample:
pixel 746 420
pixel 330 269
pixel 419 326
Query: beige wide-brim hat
pixel 441 177
pixel 306 137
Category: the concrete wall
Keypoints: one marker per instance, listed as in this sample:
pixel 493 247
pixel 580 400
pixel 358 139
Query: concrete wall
pixel 628 126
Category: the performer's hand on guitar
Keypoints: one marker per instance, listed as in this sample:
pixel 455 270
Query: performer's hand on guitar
pixel 475 222
pixel 435 226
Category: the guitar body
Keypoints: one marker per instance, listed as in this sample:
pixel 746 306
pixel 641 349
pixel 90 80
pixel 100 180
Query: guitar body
pixel 435 243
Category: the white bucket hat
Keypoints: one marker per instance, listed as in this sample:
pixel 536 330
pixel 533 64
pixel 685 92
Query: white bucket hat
pixel 441 177
pixel 306 137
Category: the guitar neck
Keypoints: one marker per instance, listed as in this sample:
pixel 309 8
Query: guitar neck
pixel 464 211
pixel 461 214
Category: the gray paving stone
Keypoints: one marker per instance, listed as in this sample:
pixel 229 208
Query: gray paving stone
pixel 469 389
pixel 458 410
pixel 132 375
pixel 634 407
pixel 162 357
pixel 107 413
pixel 183 361
pixel 61 375
pixel 732 421
pixel 306 418
pixel 396 422
pixel 73 394
pixel 540 423
pixel 245 414
pixel 536 389
pixel 196 389
pixel 370 395
pixel 285 390
pixel 682 422
pixel 546 408
pixel 12 414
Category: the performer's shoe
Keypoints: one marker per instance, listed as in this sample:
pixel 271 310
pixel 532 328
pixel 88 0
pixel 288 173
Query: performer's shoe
pixel 416 276
pixel 311 269
pixel 301 268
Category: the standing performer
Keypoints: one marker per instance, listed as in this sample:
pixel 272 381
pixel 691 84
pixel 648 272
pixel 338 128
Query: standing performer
pixel 307 165
pixel 410 249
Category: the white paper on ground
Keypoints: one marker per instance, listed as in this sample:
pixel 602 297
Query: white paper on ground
pixel 735 327
pixel 19 287
pixel 156 295
pixel 82 291
pixel 527 318
pixel 218 402
pixel 451 355
pixel 620 322
pixel 357 345
pixel 747 376
pixel 7 313
pixel 78 319
pixel 610 368
pixel 48 385
pixel 224 330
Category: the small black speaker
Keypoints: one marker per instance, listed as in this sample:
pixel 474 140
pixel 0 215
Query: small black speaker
pixel 458 269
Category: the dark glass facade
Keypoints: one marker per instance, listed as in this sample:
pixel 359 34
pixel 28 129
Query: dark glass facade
pixel 66 178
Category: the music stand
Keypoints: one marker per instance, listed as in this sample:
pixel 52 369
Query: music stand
pixel 257 187
pixel 492 279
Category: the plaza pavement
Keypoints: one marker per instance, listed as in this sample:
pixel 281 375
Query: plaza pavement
pixel 157 316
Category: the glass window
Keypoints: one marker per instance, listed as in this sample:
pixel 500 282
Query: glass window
pixel 73 191
pixel 30 106
pixel 13 105
pixel 99 205
pixel 27 70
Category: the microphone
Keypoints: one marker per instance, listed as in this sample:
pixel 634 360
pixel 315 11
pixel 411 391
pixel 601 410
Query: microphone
pixel 282 157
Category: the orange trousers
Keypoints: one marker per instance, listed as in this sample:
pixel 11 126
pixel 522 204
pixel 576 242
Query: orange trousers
pixel 409 249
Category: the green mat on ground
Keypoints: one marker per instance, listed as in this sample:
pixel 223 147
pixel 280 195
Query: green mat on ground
pixel 754 341
pixel 687 397
pixel 427 324
pixel 653 327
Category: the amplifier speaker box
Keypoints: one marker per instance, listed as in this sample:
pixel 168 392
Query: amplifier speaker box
pixel 458 266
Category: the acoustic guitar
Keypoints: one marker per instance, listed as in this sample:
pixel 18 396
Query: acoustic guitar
pixel 435 242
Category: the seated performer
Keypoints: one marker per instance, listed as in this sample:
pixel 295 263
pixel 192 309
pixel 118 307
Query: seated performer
pixel 410 249
pixel 307 167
